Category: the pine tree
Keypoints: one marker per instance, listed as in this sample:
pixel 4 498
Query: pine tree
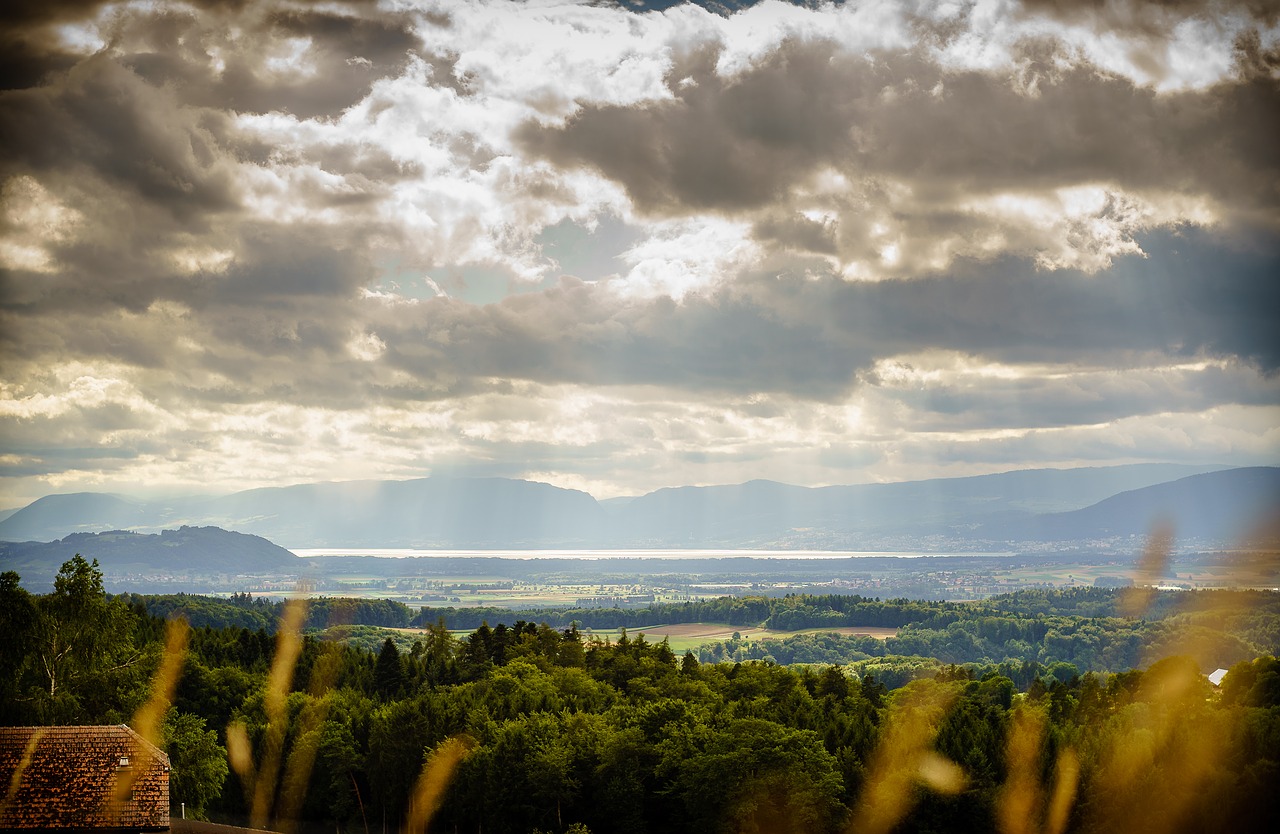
pixel 388 673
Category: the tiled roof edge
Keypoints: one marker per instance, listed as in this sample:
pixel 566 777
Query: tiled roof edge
pixel 147 745
pixel 156 751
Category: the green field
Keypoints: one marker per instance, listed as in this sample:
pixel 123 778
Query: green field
pixel 685 636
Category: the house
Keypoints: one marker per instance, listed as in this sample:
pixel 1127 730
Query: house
pixel 82 779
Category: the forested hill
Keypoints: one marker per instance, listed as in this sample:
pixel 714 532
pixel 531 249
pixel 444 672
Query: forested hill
pixel 187 550
pixel 247 611
pixel 792 612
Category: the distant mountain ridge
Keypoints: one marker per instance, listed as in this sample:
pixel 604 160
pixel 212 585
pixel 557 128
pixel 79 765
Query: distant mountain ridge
pixel 426 512
pixel 1239 503
pixel 481 513
pixel 953 507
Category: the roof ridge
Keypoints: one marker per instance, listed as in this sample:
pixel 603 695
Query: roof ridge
pixel 142 740
pixel 162 755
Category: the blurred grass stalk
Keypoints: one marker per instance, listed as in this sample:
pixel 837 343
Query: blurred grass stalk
pixel 15 781
pixel 261 782
pixel 1022 806
pixel 905 758
pixel 437 772
pixel 148 720
pixel 1151 568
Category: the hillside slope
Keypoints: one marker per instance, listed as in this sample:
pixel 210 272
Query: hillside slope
pixel 1236 504
pixel 188 550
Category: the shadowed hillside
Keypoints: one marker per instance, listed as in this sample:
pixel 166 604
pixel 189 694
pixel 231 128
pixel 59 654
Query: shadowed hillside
pixel 201 550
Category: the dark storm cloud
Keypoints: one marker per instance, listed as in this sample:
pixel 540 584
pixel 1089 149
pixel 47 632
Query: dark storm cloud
pixel 345 55
pixel 350 46
pixel 285 298
pixel 45 11
pixel 741 143
pixel 1154 17
pixel 814 337
pixel 30 49
pixel 27 58
pixel 104 118
pixel 1083 398
pixel 794 231
pixel 288 298
pixel 279 327
pixel 719 144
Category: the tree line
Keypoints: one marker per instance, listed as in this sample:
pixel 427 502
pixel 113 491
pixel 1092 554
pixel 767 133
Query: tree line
pixel 530 726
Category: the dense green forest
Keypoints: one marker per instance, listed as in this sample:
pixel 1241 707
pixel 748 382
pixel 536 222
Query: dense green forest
pixel 1032 631
pixel 527 725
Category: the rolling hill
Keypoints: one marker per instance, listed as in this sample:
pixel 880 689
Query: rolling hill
pixel 1221 506
pixel 187 550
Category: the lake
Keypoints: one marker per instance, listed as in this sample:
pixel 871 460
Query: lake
pixel 411 553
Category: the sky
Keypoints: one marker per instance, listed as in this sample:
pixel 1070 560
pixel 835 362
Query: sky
pixel 620 246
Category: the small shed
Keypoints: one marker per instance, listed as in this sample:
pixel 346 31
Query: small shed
pixel 105 778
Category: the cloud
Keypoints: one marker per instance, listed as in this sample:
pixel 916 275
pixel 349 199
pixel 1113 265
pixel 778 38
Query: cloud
pixel 952 394
pixel 906 156
pixel 242 242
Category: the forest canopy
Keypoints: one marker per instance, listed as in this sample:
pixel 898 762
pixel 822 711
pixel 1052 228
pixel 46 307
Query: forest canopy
pixel 526 725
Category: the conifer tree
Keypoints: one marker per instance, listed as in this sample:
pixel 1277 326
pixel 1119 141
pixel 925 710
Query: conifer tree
pixel 388 673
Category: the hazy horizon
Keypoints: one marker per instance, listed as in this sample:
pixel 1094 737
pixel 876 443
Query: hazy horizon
pixel 166 494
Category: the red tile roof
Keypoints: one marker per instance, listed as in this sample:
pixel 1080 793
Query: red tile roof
pixel 82 778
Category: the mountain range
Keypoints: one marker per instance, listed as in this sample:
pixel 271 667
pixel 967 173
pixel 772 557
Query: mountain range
pixel 1213 503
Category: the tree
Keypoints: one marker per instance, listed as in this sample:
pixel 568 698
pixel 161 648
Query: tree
pixel 17 620
pixel 199 762
pixel 751 775
pixel 388 674
pixel 439 653
pixel 78 636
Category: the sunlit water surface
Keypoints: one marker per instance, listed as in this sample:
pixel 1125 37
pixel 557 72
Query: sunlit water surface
pixel 406 552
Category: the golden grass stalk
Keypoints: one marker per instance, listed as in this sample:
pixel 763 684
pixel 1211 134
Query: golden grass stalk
pixel 1023 805
pixel 1164 754
pixel 437 772
pixel 904 758
pixel 1066 781
pixel 941 774
pixel 240 754
pixel 148 719
pixel 288 647
pixel 15 781
pixel 1152 564
pixel 1018 803
pixel 302 758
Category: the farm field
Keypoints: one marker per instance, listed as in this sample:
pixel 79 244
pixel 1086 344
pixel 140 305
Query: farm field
pixel 685 636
